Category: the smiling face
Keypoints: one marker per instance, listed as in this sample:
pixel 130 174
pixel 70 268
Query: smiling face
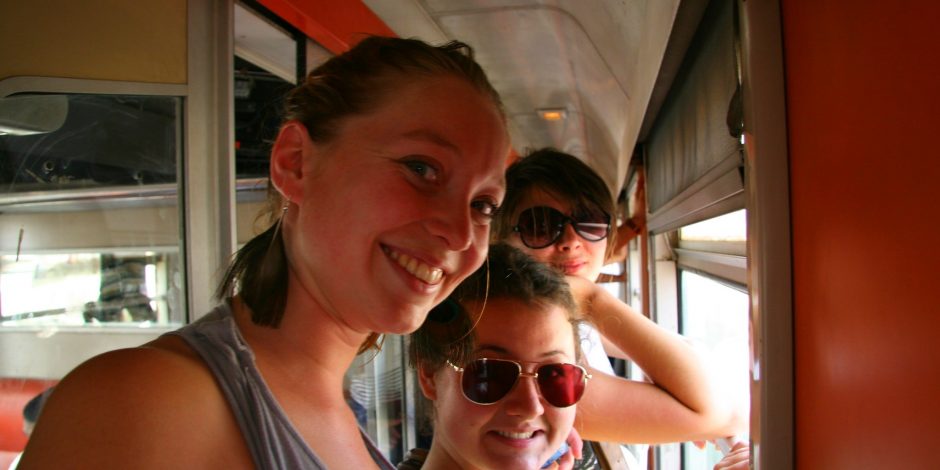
pixel 521 430
pixel 570 254
pixel 395 209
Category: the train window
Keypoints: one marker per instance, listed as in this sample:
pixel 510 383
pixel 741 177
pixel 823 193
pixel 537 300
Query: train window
pixel 92 201
pixel 92 258
pixel 701 293
pixel 723 234
pixel 265 69
pixel 713 315
pixel 89 289
pixel 78 141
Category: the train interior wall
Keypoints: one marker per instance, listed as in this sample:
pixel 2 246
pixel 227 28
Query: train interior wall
pixel 862 107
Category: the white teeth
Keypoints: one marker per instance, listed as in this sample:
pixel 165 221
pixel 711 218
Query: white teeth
pixel 417 269
pixel 516 435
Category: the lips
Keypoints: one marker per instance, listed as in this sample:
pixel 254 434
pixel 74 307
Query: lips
pixel 569 267
pixel 416 267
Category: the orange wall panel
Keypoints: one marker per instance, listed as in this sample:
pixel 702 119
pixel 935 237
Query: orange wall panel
pixel 335 25
pixel 863 107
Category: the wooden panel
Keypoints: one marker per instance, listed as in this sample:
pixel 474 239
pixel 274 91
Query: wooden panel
pixel 130 40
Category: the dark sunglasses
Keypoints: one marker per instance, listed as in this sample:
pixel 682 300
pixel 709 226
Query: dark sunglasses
pixel 487 381
pixel 542 226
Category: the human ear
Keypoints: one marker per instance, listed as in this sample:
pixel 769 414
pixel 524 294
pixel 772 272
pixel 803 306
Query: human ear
pixel 426 381
pixel 287 159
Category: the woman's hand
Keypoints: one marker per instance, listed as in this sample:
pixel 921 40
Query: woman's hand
pixel 739 458
pixel 566 461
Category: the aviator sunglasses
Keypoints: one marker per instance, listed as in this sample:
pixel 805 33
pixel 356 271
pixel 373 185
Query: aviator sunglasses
pixel 487 381
pixel 542 226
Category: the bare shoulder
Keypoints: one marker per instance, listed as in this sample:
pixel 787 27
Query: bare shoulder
pixel 155 405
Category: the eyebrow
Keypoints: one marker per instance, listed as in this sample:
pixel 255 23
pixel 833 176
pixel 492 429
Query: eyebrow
pixel 502 350
pixel 433 137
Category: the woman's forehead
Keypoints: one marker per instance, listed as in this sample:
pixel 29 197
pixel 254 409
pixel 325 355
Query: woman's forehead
pixel 540 196
pixel 523 328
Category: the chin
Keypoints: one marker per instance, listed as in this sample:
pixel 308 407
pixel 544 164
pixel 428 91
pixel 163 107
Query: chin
pixel 409 320
pixel 518 460
pixel 518 464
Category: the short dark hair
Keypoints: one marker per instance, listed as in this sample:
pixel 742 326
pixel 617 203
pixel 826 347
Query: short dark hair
pixel 562 175
pixel 509 273
pixel 348 84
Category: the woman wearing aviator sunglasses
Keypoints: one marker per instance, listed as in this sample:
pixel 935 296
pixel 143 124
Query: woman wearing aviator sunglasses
pixel 558 211
pixel 499 360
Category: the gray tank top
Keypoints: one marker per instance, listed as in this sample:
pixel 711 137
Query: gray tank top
pixel 272 439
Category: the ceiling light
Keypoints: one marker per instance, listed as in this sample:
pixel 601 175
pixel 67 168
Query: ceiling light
pixel 552 114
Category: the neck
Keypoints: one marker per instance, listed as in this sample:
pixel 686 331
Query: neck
pixel 309 348
pixel 439 459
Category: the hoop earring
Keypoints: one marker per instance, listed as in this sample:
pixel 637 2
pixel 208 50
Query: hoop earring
pixel 277 225
pixel 486 295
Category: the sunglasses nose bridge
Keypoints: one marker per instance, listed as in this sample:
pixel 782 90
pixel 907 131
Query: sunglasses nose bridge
pixel 567 236
pixel 525 398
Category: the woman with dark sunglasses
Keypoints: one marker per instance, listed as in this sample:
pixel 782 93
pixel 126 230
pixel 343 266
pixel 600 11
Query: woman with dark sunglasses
pixel 385 175
pixel 499 360
pixel 559 211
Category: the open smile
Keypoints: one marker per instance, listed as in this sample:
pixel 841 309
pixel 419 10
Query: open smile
pixel 416 267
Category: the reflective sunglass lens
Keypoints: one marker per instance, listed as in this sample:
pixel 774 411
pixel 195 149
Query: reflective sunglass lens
pixel 561 384
pixel 592 231
pixel 542 226
pixel 489 381
pixel 591 224
pixel 539 226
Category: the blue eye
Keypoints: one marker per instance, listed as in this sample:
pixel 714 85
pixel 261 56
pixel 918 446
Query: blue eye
pixel 486 209
pixel 423 169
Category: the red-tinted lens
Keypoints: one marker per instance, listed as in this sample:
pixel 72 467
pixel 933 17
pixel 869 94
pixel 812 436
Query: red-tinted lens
pixel 561 384
pixel 488 381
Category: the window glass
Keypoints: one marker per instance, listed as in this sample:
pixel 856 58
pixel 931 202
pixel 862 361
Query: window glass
pixel 265 70
pixel 728 227
pixel 714 316
pixel 91 201
pixel 374 389
pixel 259 98
pixel 78 289
pixel 59 142
pixel 726 234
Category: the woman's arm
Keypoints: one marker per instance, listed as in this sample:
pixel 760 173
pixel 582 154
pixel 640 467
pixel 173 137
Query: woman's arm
pixel 681 403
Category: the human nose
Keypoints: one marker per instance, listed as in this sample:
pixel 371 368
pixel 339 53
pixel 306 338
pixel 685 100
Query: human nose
pixel 569 238
pixel 524 399
pixel 453 225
